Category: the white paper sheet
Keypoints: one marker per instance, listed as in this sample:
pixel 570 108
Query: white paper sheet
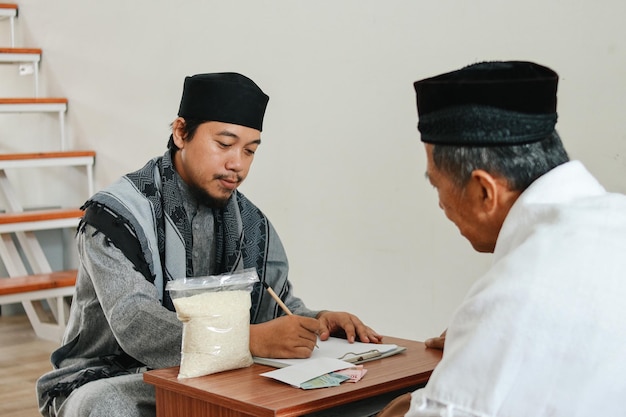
pixel 337 348
pixel 297 374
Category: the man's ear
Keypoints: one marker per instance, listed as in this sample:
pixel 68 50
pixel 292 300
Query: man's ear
pixel 493 197
pixel 486 190
pixel 178 132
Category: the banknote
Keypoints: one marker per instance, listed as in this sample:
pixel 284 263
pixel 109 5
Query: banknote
pixel 355 373
pixel 334 379
pixel 324 381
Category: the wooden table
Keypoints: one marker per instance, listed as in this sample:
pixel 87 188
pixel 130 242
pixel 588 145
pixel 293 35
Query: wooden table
pixel 243 392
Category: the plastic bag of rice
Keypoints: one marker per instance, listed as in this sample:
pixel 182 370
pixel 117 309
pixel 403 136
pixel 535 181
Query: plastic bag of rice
pixel 215 312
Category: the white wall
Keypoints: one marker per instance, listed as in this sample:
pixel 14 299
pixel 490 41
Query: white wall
pixel 341 169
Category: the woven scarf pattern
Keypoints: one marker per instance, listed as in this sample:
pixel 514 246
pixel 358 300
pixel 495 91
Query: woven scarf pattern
pixel 239 243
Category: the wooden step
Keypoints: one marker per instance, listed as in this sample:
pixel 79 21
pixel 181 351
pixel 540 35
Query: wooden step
pixel 47 159
pixel 30 290
pixel 19 105
pixel 19 55
pixel 84 159
pixel 8 10
pixel 37 282
pixel 27 58
pixel 31 105
pixel 39 220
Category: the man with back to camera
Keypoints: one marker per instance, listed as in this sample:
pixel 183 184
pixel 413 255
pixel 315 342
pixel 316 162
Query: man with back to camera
pixel 542 332
pixel 179 216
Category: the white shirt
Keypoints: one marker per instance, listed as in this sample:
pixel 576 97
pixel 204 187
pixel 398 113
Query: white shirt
pixel 543 332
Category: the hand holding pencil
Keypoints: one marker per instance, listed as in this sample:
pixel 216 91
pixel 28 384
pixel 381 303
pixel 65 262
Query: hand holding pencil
pixel 296 341
pixel 279 301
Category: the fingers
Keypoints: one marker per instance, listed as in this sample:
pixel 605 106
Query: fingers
pixel 350 330
pixel 308 338
pixel 309 324
pixel 324 331
pixel 435 342
pixel 300 331
pixel 284 337
pixel 347 325
pixel 368 335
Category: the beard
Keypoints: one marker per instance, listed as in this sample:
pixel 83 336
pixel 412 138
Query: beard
pixel 208 200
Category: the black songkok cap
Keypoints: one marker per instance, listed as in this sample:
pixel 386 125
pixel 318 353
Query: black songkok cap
pixel 488 104
pixel 225 97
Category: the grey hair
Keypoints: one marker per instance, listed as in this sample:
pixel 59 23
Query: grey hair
pixel 520 165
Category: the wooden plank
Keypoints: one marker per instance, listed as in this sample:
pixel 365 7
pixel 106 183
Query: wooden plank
pixel 20 51
pixel 38 282
pixel 39 220
pixel 51 159
pixel 34 104
pixel 33 100
pixel 46 155
pixel 40 215
pixel 8 9
pixel 22 56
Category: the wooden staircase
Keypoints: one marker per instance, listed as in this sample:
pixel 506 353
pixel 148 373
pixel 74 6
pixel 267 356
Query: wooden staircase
pixel 44 293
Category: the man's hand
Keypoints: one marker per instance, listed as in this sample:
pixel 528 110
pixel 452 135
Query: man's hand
pixel 346 324
pixel 437 342
pixel 284 337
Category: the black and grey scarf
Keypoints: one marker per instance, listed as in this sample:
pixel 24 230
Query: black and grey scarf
pixel 143 211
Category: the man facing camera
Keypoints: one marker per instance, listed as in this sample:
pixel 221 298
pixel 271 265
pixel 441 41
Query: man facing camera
pixel 180 215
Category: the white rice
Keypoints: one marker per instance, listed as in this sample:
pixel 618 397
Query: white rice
pixel 216 332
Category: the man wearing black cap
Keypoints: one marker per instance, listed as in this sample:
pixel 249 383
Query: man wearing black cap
pixel 542 332
pixel 179 216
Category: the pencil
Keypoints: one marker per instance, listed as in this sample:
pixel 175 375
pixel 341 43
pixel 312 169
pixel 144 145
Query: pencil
pixel 279 301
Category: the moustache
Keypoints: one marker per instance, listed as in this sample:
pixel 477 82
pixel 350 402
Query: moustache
pixel 229 178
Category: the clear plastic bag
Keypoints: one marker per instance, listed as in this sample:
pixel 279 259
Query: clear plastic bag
pixel 215 312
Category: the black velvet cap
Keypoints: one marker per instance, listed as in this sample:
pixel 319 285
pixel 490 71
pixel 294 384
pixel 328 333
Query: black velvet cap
pixel 488 104
pixel 226 97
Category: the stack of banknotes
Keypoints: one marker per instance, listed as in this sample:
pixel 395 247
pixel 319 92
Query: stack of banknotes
pixel 334 379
